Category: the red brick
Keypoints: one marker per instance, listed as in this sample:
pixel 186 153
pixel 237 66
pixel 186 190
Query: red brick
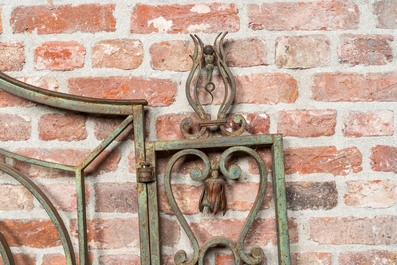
pixel 257 123
pixel 369 123
pixel 158 92
pixel 355 87
pixel 371 194
pixel 384 158
pixel 170 232
pixel 25 259
pixel 116 197
pixel 228 259
pixel 105 126
pixel 110 233
pixel 119 260
pixel 54 19
pixel 14 127
pixel 262 233
pixel 15 197
pixel 323 159
pixel 313 258
pixel 188 204
pixel 365 49
pixel 9 100
pixel 379 230
pixel 307 123
pixel 62 127
pixel 320 15
pixel 12 56
pixel 311 195
pixel 59 55
pixel 167 126
pixel 172 55
pixel 302 51
pixel 57 259
pixel 64 196
pixel 106 162
pixel 174 19
pixel 123 54
pixel 31 233
pixel 266 89
pixel 245 52
pixel 386 13
pixel 368 258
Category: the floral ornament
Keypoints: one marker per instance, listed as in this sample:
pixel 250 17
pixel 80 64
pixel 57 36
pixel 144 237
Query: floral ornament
pixel 214 192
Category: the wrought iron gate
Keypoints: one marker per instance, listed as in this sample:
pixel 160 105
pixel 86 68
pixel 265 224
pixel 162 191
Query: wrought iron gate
pixel 212 141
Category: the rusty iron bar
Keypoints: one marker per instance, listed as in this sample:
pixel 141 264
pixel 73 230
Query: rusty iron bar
pixel 5 251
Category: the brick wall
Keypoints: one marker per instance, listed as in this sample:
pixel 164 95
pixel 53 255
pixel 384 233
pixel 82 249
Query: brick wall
pixel 323 73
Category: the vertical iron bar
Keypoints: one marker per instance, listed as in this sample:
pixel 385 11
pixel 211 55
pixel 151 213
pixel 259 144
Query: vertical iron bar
pixel 81 217
pixel 153 209
pixel 280 201
pixel 143 213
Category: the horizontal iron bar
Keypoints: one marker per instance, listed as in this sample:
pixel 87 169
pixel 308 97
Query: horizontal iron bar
pixel 35 161
pixel 248 140
pixel 67 101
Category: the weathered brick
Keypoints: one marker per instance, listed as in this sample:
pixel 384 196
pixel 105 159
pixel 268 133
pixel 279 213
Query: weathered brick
pixel 62 127
pixel 64 196
pixel 379 230
pixel 158 92
pixel 9 100
pixel 167 126
pixel 319 15
pixel 12 56
pixel 174 19
pixel 124 54
pixel 25 259
pixel 106 162
pixel 170 231
pixel 371 194
pixel 323 159
pixel 54 19
pixel 355 87
pixel 368 258
pixel 35 233
pixel 311 195
pixel 302 51
pixel 57 259
pixel 15 197
pixel 172 55
pixel 365 49
pixel 14 127
pixel 119 259
pixel 228 259
pixel 369 123
pixel 59 55
pixel 312 258
pixel 116 197
pixel 257 123
pixel 110 233
pixel 245 52
pixel 307 123
pixel 105 126
pixel 384 158
pixel 386 13
pixel 262 233
pixel 266 89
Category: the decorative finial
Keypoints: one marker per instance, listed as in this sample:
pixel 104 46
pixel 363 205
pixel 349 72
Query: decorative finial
pixel 208 58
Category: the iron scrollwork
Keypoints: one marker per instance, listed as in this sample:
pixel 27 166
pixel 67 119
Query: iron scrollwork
pixel 214 201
